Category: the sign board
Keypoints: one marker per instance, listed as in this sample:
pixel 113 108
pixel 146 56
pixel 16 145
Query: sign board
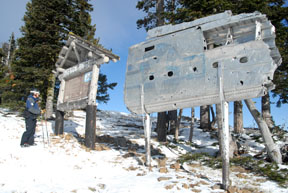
pixel 78 69
pixel 178 65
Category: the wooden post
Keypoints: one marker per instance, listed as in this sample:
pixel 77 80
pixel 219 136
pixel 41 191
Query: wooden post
pixel 178 125
pixel 161 127
pixel 271 148
pixel 147 131
pixel 90 129
pixel 59 123
pixel 192 124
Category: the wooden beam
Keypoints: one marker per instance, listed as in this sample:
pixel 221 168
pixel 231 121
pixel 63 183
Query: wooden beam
pixel 61 92
pixel 68 106
pixel 94 85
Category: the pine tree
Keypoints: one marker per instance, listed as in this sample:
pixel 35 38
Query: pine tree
pixel 46 26
pixel 158 12
pixel 6 76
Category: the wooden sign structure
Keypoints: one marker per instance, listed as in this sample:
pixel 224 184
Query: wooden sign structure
pixel 211 60
pixel 78 67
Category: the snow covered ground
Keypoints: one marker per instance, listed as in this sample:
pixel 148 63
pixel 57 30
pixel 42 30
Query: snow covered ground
pixel 117 164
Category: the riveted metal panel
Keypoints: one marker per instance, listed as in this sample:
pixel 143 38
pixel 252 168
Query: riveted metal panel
pixel 177 67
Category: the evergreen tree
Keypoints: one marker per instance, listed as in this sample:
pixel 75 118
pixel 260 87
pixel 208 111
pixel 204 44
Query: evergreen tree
pixel 46 26
pixel 6 76
pixel 156 17
pixel 1 56
pixel 42 39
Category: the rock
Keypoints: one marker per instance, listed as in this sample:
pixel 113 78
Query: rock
pixel 101 186
pixel 203 182
pixel 242 176
pixel 169 187
pixel 175 166
pixel 162 162
pixel 163 170
pixel 163 178
pixel 185 186
pixel 216 186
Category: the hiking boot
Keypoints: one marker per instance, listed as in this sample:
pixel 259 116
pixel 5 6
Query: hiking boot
pixel 25 145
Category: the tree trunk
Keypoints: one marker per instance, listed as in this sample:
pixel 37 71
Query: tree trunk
pixel 159 12
pixel 192 124
pixel 162 116
pixel 161 126
pixel 238 117
pixel 272 149
pixel 178 125
pixel 205 117
pixel 266 111
pixel 214 119
pixel 50 97
pixel 172 121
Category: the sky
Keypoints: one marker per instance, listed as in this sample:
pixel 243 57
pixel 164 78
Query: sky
pixel 116 27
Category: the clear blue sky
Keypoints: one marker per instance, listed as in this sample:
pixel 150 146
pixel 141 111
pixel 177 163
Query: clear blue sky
pixel 116 27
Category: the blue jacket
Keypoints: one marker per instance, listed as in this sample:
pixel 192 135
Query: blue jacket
pixel 32 108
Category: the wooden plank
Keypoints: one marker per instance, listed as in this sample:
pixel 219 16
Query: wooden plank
pixel 68 106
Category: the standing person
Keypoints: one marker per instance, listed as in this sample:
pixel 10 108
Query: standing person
pixel 32 111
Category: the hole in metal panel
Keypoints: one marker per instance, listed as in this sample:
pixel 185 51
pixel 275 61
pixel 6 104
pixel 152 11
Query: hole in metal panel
pixel 170 73
pixel 205 48
pixel 149 48
pixel 215 65
pixel 269 78
pixel 194 69
pixel 151 77
pixel 244 60
pixel 241 82
pixel 155 58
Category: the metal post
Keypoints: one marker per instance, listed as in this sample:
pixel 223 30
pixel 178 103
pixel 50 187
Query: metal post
pixel 224 131
pixel 225 144
pixel 147 131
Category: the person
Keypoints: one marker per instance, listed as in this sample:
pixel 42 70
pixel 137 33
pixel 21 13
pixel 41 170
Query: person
pixel 32 111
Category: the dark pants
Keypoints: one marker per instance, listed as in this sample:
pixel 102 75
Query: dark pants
pixel 28 135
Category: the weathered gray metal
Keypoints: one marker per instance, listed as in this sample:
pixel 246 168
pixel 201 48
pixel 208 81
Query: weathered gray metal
pixel 177 67
pixel 78 70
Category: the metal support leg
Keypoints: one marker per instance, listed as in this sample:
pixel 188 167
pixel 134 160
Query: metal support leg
pixel 225 145
pixel 147 131
pixel 224 131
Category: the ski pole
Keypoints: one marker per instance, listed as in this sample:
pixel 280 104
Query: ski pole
pixel 42 130
pixel 47 131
